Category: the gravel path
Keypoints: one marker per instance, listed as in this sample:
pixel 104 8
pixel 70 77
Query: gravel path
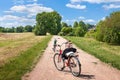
pixel 92 68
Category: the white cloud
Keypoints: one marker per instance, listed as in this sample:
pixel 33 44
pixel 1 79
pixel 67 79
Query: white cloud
pixel 10 20
pixel 76 6
pixel 81 17
pixel 9 17
pixel 95 1
pixel 31 9
pixel 89 21
pixel 19 8
pixel 111 6
pixel 28 10
pixel 24 1
pixel 18 1
pixel 71 21
pixel 103 18
pixel 8 12
pixel 32 0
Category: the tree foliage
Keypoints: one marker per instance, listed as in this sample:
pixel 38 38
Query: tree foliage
pixel 109 29
pixel 63 24
pixel 28 28
pixel 48 22
pixel 78 29
pixel 19 29
pixel 75 24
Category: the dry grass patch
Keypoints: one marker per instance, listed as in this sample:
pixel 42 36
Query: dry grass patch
pixel 14 43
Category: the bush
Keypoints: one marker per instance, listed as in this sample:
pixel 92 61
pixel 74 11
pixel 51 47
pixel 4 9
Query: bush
pixel 90 34
pixel 109 29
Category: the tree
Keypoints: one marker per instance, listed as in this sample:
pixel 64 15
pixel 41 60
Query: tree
pixel 89 26
pixel 79 32
pixel 28 28
pixel 63 24
pixel 75 24
pixel 1 29
pixel 83 26
pixel 109 29
pixel 48 22
pixel 66 30
pixel 19 29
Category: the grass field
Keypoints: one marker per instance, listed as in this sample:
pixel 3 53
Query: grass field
pixel 105 52
pixel 13 43
pixel 19 52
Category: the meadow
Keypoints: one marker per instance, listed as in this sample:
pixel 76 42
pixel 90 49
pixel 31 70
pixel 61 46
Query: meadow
pixel 19 52
pixel 105 52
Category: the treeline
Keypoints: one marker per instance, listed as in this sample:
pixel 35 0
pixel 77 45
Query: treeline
pixel 50 22
pixel 108 30
pixel 78 29
pixel 19 29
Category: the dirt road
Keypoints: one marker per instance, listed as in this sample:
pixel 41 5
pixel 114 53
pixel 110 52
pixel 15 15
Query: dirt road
pixel 92 68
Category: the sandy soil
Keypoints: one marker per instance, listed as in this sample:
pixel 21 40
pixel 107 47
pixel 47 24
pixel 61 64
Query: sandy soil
pixel 92 68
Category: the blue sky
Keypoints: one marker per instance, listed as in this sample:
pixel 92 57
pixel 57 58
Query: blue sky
pixel 23 12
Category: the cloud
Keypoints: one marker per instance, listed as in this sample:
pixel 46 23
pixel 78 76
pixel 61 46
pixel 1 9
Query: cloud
pixel 32 0
pixel 18 1
pixel 94 1
pixel 111 6
pixel 71 21
pixel 76 6
pixel 31 9
pixel 103 18
pixel 89 21
pixel 11 20
pixel 24 1
pixel 81 17
pixel 19 8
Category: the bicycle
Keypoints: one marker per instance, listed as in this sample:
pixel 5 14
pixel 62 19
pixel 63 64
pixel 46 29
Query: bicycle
pixel 72 62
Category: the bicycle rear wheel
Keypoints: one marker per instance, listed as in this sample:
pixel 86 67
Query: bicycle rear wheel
pixel 75 66
pixel 58 61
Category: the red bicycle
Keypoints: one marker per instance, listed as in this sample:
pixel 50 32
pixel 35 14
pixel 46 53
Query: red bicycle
pixel 72 62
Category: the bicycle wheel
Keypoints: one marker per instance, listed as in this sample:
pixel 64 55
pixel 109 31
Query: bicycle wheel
pixel 58 61
pixel 75 66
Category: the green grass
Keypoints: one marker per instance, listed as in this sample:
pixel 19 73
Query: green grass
pixel 107 53
pixel 18 66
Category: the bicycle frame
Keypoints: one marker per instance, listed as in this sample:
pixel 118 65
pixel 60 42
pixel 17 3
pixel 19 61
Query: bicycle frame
pixel 60 53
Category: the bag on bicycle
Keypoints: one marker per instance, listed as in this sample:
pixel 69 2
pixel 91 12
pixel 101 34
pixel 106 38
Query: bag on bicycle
pixel 67 52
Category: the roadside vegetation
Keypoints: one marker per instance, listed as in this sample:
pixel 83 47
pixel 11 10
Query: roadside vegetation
pixel 103 51
pixel 102 41
pixel 22 58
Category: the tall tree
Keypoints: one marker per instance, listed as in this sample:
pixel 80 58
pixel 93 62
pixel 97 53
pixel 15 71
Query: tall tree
pixel 48 22
pixel 63 24
pixel 83 25
pixel 28 28
pixel 19 29
pixel 75 24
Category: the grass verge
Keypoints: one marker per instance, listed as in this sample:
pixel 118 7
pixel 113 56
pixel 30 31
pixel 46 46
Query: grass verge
pixel 17 67
pixel 107 53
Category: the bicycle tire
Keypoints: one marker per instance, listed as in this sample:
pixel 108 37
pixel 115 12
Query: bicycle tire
pixel 76 64
pixel 58 61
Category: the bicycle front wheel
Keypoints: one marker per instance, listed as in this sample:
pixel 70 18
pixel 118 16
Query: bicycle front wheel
pixel 75 66
pixel 58 61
